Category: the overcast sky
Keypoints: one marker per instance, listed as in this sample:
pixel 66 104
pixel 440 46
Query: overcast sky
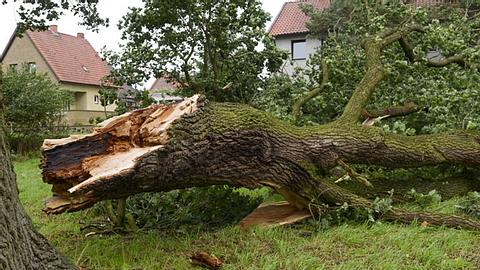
pixel 109 37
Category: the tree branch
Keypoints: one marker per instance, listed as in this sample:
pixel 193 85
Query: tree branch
pixel 313 93
pixel 457 59
pixel 396 111
pixel 407 49
pixel 374 74
pixel 375 71
pixel 194 144
pixel 389 36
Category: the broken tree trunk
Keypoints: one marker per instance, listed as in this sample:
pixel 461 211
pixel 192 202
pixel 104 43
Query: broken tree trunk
pixel 195 143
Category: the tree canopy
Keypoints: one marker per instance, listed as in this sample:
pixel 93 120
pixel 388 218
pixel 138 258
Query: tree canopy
pixel 420 68
pixel 36 14
pixel 204 46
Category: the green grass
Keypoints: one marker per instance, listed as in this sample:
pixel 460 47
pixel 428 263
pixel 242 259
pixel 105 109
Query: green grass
pixel 348 246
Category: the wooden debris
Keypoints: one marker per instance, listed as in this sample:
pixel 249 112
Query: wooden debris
pixel 275 214
pixel 205 260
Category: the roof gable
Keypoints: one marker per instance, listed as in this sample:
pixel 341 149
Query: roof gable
pixel 433 2
pixel 292 20
pixel 72 59
pixel 7 47
pixel 163 84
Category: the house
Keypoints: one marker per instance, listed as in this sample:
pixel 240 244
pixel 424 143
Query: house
pixel 162 91
pixel 71 61
pixel 291 35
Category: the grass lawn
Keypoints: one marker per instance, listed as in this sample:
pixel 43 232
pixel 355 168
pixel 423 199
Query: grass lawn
pixel 348 246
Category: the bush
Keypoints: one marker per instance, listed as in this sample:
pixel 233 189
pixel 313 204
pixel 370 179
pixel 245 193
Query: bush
pixel 425 200
pixel 98 120
pixel 211 206
pixel 25 143
pixel 32 100
pixel 470 204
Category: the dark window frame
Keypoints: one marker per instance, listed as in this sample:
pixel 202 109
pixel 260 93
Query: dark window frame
pixel 293 42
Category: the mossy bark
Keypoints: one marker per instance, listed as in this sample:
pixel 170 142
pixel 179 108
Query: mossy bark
pixel 237 145
pixel 449 187
pixel 241 146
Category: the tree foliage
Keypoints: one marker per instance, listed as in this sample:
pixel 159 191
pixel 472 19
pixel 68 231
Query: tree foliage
pixel 205 46
pixel 108 96
pixel 32 100
pixel 35 14
pixel 449 93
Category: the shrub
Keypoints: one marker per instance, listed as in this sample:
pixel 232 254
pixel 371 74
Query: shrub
pixel 98 120
pixel 23 143
pixel 211 206
pixel 470 204
pixel 32 100
pixel 425 200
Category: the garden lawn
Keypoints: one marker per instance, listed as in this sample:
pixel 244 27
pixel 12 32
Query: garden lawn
pixel 305 246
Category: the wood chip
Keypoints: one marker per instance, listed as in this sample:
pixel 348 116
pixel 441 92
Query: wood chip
pixel 205 260
pixel 424 224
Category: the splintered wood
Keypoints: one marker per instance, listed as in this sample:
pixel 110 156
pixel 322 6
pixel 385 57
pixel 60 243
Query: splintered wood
pixel 73 163
pixel 275 214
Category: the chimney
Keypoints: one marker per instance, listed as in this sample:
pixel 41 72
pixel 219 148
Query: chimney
pixel 80 35
pixel 53 28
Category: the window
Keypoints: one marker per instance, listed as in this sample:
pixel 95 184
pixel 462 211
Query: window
pixel 299 49
pixel 32 67
pixel 66 106
pixel 96 99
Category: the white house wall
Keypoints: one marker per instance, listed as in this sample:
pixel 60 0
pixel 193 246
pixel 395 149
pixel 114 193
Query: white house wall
pixel 285 43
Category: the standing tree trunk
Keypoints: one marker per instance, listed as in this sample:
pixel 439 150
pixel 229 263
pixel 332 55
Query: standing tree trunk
pixel 21 247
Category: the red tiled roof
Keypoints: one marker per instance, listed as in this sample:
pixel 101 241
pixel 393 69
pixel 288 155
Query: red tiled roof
pixel 71 58
pixel 291 19
pixel 162 84
pixel 434 2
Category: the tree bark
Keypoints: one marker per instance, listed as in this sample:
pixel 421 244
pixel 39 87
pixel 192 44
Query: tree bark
pixel 195 143
pixel 21 247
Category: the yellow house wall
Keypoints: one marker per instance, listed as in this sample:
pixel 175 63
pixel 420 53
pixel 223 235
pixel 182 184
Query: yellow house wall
pixel 23 51
pixel 83 107
pixel 86 101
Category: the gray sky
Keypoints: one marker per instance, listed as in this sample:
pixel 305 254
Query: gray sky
pixel 109 37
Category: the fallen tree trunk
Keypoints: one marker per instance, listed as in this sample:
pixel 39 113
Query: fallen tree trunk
pixel 195 143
